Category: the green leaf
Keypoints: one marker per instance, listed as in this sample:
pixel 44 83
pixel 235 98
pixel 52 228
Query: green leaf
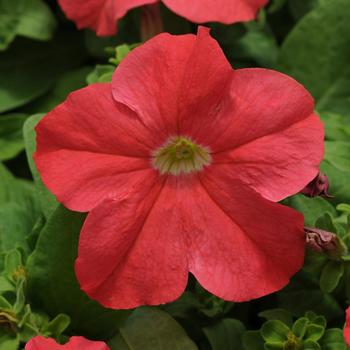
pixel 225 335
pixel 333 339
pixel 70 81
pixel 19 211
pixel 151 329
pixel 325 222
pixel 337 127
pixel 252 340
pixel 11 139
pixel 29 18
pixel 311 208
pixel 317 51
pixel 331 275
pixel 338 154
pixel 52 282
pixel 311 345
pixel 274 331
pixel 314 332
pixel 57 326
pixel 47 200
pixel 8 342
pixel 279 315
pixel 338 182
pixel 299 327
pixel 101 74
pixel 28 68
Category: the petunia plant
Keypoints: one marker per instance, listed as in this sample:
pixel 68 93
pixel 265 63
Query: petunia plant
pixel 163 195
pixel 174 174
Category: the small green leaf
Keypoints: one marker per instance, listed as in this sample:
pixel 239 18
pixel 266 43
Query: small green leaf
pixel 314 332
pixel 57 326
pixel 331 275
pixel 299 327
pixel 279 315
pixel 274 331
pixel 101 74
pixel 311 345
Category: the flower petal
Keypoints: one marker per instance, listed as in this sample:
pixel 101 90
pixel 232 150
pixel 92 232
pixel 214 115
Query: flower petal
pixel 264 132
pixel 131 252
pixel 138 249
pixel 347 327
pixel 246 246
pixel 224 11
pixel 88 146
pixel 75 343
pixel 99 15
pixel 160 79
pixel 280 164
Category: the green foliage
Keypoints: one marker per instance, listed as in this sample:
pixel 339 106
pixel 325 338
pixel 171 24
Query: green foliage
pixel 43 58
pixel 19 322
pixel 306 333
pixel 29 18
pixel 52 283
pixel 47 200
pixel 11 140
pixel 28 69
pixel 320 62
pixel 151 329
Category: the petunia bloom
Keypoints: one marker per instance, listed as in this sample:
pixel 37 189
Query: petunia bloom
pixel 179 162
pixel 75 343
pixel 347 327
pixel 102 15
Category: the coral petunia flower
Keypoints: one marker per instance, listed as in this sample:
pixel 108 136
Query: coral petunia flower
pixel 102 15
pixel 75 343
pixel 347 327
pixel 179 163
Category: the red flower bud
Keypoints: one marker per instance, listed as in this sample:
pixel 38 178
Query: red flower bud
pixel 322 241
pixel 317 187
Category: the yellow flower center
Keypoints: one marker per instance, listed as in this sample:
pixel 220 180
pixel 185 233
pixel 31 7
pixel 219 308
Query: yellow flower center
pixel 181 155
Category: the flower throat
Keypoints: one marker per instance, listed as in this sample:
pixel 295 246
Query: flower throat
pixel 181 155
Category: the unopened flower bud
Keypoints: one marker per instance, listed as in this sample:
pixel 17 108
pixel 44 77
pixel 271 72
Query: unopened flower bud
pixel 317 187
pixel 322 241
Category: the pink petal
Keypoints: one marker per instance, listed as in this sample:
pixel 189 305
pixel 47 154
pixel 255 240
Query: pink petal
pixel 88 147
pixel 131 252
pixel 160 80
pixel 264 133
pixel 280 164
pixel 138 249
pixel 224 11
pixel 75 343
pixel 347 327
pixel 244 247
pixel 99 15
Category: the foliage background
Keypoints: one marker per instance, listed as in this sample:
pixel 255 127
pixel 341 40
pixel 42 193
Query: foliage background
pixel 43 58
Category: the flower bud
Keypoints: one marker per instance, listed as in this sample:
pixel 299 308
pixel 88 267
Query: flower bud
pixel 322 241
pixel 317 187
